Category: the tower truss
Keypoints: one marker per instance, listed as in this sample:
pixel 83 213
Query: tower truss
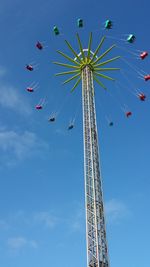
pixel 88 67
pixel 95 224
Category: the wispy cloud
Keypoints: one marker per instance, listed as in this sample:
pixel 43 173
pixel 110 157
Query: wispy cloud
pixel 38 219
pixel 115 211
pixel 3 224
pixel 78 222
pixel 46 219
pixel 12 99
pixel 2 71
pixel 61 131
pixel 19 243
pixel 20 145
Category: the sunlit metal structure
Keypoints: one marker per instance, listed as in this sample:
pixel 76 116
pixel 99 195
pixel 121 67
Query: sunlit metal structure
pixel 88 67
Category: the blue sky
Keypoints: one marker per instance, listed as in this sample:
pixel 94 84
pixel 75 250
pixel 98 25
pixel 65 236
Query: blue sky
pixel 42 220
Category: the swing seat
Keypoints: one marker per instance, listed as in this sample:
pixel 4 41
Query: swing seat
pixel 38 107
pixel 52 119
pixel 108 24
pixel 80 23
pixel 29 67
pixel 128 114
pixel 70 127
pixel 147 77
pixel 30 89
pixel 143 55
pixel 56 31
pixel 142 97
pixel 131 38
pixel 39 46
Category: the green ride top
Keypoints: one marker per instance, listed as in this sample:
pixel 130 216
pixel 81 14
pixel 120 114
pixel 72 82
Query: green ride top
pixel 87 58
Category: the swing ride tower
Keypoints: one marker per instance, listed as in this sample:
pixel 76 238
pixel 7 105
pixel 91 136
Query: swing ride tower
pixel 88 67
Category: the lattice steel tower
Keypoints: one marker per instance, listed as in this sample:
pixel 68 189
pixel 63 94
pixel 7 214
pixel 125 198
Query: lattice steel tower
pixel 87 66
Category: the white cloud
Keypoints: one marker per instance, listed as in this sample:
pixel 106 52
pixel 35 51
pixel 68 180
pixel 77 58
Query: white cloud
pixel 45 218
pixel 39 219
pixel 115 211
pixel 3 224
pixel 18 243
pixel 2 71
pixel 61 131
pixel 20 145
pixel 78 222
pixel 12 99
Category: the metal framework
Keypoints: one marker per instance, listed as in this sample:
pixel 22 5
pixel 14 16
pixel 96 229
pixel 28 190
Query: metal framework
pixel 97 255
pixel 86 67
